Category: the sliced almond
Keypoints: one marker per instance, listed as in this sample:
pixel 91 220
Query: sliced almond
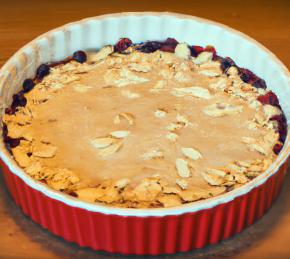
pixel 191 153
pixel 129 94
pixel 127 116
pixel 160 113
pixel 203 57
pixel 214 177
pixel 222 109
pixel 270 110
pixel 81 88
pixel 195 91
pixel 182 183
pixel 101 54
pixel 103 142
pixel 143 67
pixel 172 136
pixel 182 119
pixel 110 150
pixel 248 140
pixel 182 168
pixel 174 126
pixel 182 51
pixel 158 86
pixel 153 154
pixel 120 133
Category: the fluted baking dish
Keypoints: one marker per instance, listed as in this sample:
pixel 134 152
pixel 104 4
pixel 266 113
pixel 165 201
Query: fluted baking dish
pixel 144 231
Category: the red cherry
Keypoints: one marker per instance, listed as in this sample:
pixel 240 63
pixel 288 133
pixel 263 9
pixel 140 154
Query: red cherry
pixel 277 148
pixel 122 45
pixel 269 98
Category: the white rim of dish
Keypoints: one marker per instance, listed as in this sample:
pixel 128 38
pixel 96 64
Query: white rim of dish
pixel 159 212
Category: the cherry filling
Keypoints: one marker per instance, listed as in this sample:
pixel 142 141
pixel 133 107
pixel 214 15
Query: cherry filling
pixel 195 50
pixel 226 63
pixel 169 45
pixel 122 45
pixel 269 98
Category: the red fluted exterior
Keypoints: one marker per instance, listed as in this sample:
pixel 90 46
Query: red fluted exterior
pixel 144 235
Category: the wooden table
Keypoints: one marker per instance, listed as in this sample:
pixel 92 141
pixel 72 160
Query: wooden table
pixel 269 23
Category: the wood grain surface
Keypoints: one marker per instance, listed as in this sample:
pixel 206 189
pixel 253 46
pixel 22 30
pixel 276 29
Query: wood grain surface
pixel 266 21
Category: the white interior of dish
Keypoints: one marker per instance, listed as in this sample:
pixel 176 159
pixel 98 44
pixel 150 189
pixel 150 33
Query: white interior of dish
pixel 98 31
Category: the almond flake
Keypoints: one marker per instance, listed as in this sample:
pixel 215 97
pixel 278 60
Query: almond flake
pixel 172 136
pixel 220 84
pixel 120 133
pixel 144 67
pixel 182 168
pixel 173 126
pixel 81 88
pixel 259 148
pixel 158 87
pixel 222 109
pixel 127 116
pixel 182 119
pixel 160 113
pixel 213 179
pixel 103 142
pixel 101 54
pixel 129 94
pixel 209 73
pixel 182 183
pixel 191 153
pixel 271 111
pixel 153 154
pixel 195 91
pixel 182 51
pixel 203 57
pixel 110 150
pixel 216 172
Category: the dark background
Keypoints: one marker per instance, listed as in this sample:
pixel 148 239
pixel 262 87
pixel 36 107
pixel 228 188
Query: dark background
pixel 266 21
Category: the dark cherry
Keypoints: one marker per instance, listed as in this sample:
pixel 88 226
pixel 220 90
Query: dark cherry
pixel 226 63
pixel 18 100
pixel 150 46
pixel 42 71
pixel 260 83
pixel 277 148
pixel 9 111
pixel 269 98
pixel 28 85
pixel 169 45
pixel 12 142
pixel 282 126
pixel 73 194
pixel 210 48
pixel 80 56
pixel 122 45
pixel 195 50
pixel 247 76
